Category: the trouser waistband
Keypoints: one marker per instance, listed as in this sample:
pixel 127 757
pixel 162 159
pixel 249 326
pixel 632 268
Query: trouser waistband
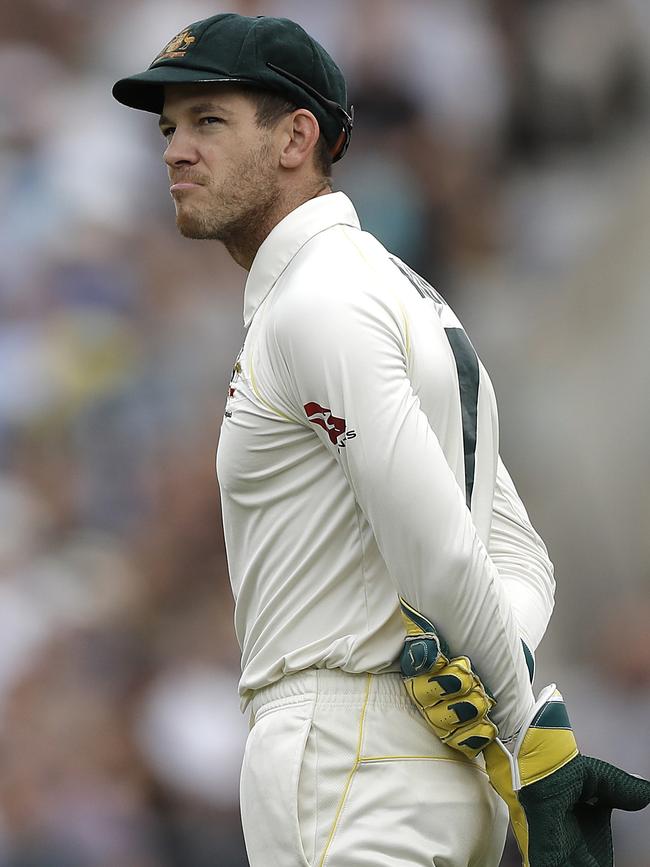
pixel 320 683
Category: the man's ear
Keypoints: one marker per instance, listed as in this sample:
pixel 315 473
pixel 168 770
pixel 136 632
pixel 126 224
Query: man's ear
pixel 302 130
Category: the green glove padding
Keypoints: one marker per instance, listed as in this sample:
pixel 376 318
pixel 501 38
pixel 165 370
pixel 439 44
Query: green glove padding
pixel 560 801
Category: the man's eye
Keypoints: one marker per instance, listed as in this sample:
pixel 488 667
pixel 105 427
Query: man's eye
pixel 167 132
pixel 208 121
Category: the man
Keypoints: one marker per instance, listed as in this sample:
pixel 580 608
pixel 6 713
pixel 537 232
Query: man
pixel 363 499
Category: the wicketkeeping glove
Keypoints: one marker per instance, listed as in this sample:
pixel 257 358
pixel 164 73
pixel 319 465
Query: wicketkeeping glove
pixel 448 692
pixel 560 801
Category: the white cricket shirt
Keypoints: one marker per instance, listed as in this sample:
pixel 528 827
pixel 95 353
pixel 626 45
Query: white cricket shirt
pixel 358 461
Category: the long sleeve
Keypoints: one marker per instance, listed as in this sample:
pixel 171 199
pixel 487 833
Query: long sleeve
pixel 522 561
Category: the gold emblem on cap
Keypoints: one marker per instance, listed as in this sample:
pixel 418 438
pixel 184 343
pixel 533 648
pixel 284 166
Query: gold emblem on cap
pixel 176 47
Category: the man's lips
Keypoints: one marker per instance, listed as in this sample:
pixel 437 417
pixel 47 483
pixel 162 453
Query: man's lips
pixel 184 185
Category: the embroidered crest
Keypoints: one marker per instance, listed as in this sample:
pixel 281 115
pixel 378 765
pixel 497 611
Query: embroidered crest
pixel 176 47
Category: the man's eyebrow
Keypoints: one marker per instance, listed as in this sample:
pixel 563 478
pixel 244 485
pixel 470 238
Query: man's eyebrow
pixel 198 108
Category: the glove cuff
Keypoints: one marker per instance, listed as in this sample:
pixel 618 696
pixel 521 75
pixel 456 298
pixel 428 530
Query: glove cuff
pixel 544 743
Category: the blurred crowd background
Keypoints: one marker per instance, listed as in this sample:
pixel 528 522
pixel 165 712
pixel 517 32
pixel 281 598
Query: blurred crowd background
pixel 501 148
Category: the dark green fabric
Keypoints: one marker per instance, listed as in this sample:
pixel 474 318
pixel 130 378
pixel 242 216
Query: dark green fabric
pixel 530 660
pixel 553 715
pixel 419 619
pixel 475 742
pixel 464 710
pixel 569 812
pixel 449 684
pixel 419 655
pixel 468 384
pixel 232 47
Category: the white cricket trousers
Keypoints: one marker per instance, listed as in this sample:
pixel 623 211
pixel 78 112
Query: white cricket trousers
pixel 340 770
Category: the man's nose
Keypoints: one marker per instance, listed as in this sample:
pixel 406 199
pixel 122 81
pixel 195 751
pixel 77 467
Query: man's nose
pixel 180 150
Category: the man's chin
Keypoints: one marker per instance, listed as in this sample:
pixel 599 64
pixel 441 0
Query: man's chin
pixel 194 229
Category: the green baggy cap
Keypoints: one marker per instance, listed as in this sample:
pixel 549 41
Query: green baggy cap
pixel 273 54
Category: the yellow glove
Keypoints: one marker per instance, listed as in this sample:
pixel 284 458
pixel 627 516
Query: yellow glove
pixel 447 692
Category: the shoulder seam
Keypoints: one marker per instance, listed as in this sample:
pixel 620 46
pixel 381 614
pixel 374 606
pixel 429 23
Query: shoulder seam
pixel 261 398
pixel 362 255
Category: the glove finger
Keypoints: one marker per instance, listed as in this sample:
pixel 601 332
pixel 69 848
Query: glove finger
pixel 428 690
pixel 472 739
pixel 454 680
pixel 609 786
pixel 450 714
pixel 449 682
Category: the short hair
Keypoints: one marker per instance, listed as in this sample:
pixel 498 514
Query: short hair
pixel 271 107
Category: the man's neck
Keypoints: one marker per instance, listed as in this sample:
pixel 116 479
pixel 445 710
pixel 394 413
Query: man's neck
pixel 244 244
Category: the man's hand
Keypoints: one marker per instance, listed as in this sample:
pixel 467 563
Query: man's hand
pixel 448 693
pixel 560 801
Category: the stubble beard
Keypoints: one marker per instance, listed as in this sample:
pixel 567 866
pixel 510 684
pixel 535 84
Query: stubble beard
pixel 238 208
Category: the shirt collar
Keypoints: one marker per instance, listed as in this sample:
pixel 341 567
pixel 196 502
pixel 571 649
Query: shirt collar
pixel 286 239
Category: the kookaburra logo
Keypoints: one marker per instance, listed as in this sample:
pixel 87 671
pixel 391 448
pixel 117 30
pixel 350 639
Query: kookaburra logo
pixel 334 426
